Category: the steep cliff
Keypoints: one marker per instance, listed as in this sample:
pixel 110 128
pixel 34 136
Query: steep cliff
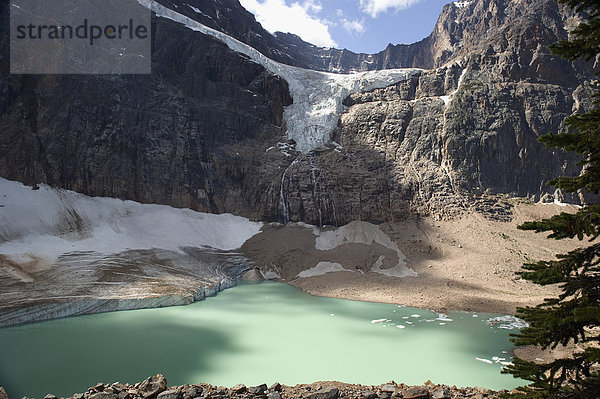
pixel 462 27
pixel 207 130
pixel 184 136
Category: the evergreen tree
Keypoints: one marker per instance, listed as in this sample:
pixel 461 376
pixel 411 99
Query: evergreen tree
pixel 574 316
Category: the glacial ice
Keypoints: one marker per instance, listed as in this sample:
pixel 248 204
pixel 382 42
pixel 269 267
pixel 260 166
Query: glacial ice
pixel 317 96
pixel 50 222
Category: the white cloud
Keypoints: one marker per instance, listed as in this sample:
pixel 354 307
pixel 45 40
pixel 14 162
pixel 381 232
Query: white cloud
pixel 298 18
pixel 375 7
pixel 354 27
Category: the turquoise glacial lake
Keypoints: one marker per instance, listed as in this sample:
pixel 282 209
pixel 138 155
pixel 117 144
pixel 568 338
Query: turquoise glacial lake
pixel 256 333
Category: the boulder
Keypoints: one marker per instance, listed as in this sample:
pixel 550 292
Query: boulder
pixel 118 387
pixel 443 393
pixel 274 395
pixel 103 395
pixel 275 387
pixel 193 392
pixel 3 394
pixel 239 388
pixel 258 390
pixel 416 393
pixel 152 386
pixel 98 387
pixel 388 387
pixel 325 393
pixel 369 395
pixel 170 394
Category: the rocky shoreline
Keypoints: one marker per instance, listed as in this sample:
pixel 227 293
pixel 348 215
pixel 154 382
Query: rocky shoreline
pixel 156 387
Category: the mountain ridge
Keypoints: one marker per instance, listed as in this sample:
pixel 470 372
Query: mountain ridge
pixel 207 129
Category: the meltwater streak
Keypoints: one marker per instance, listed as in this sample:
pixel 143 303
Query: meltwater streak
pixel 253 334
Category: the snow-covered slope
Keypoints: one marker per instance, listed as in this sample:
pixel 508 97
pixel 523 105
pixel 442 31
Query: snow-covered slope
pixel 359 232
pixel 317 96
pixel 47 223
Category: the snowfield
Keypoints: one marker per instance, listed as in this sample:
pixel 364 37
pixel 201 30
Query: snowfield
pixel 50 222
pixel 317 95
pixel 358 232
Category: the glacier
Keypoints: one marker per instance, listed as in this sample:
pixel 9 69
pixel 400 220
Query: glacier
pixel 317 96
pixel 48 222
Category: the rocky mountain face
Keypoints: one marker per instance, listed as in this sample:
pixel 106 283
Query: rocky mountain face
pixel 207 130
pixel 184 136
pixel 462 27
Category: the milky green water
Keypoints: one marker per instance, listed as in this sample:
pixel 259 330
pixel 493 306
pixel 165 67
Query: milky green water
pixel 252 334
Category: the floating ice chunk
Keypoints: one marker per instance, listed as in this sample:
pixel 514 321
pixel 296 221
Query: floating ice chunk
pixel 415 315
pixel 400 326
pixel 443 317
pixel 484 360
pixel 376 321
pixel 507 322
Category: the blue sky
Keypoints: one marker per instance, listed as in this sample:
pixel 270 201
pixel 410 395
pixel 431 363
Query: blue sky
pixel 358 25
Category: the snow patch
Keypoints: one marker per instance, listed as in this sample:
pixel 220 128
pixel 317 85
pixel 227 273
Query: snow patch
pixel 449 97
pixel 198 11
pixel 317 96
pixel 461 4
pixel 358 232
pixel 322 268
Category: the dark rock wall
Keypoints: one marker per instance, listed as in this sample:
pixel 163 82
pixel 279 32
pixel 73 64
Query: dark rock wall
pixel 205 130
pixel 183 136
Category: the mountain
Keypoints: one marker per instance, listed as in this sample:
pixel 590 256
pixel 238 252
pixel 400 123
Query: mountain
pixel 228 126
